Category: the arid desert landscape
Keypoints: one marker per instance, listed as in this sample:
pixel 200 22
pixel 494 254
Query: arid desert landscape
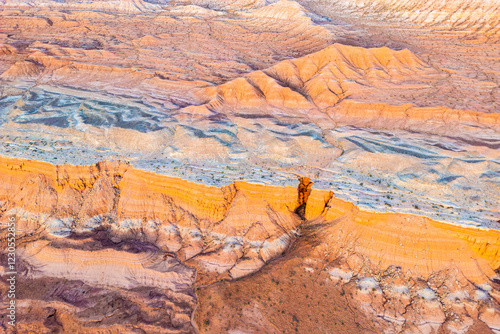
pixel 250 166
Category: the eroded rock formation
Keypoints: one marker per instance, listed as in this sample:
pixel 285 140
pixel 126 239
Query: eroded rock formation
pixel 110 227
pixel 150 151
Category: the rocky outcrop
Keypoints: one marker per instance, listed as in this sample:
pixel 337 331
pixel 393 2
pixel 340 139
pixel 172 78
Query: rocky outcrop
pixel 250 222
pixel 348 84
pixel 240 221
pixel 77 222
pixel 332 279
pixel 391 104
pixel 304 190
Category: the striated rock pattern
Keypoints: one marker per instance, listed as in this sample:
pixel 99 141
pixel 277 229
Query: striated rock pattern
pixel 110 227
pixel 251 166
pixel 474 16
pixel 259 112
pixel 329 79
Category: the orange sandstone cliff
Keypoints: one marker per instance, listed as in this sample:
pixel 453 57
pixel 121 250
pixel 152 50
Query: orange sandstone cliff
pixel 112 227
pixel 209 166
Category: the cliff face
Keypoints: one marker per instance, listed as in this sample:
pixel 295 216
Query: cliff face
pixel 239 221
pixel 115 228
pixel 304 190
pixel 254 91
pixel 203 115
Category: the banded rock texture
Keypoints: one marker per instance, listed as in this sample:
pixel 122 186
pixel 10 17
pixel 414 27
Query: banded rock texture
pixel 203 114
pixel 175 215
pixel 346 83
pixel 257 91
pixel 471 16
pixel 110 227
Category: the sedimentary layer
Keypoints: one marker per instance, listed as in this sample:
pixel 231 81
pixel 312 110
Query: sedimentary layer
pixel 319 146
pixel 78 222
pixel 257 91
pixel 225 226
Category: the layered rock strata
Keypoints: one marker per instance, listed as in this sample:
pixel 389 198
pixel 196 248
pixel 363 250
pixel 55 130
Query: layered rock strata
pixel 77 223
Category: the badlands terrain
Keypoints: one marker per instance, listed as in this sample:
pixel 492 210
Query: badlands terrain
pixel 211 166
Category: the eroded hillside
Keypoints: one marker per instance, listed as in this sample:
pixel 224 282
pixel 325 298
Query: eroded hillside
pixel 251 166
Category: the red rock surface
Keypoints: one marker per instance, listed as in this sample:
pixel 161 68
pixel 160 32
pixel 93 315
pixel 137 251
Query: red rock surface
pixel 251 166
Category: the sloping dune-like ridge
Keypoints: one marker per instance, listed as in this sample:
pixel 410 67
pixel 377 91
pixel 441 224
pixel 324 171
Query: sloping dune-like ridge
pixel 352 85
pixel 327 76
pixel 443 121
